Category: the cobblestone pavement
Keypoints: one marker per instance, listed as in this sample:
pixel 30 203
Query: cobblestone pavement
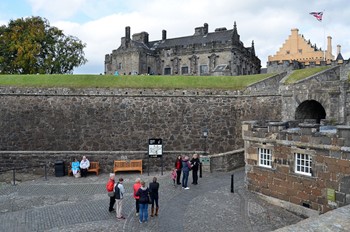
pixel 70 204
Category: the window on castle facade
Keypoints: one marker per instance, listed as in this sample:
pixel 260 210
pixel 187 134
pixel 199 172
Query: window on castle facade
pixel 167 71
pixel 303 164
pixel 184 70
pixel 265 157
pixel 120 66
pixel 203 69
pixel 287 52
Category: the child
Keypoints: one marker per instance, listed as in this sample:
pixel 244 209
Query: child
pixel 173 175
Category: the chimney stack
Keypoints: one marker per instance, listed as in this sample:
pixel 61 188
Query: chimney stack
pixel 338 49
pixel 127 34
pixel 163 34
pixel 206 28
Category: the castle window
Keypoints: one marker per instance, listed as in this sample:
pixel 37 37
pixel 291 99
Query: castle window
pixel 287 52
pixel 303 164
pixel 184 70
pixel 300 51
pixel 265 157
pixel 167 71
pixel 120 66
pixel 203 69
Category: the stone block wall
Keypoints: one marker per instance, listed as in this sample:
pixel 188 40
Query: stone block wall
pixel 122 120
pixel 324 189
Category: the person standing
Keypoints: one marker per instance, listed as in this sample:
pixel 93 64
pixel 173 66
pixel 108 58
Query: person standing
pixel 143 193
pixel 136 187
pixel 110 192
pixel 153 189
pixel 194 167
pixel 84 165
pixel 174 176
pixel 178 166
pixel 119 191
pixel 186 167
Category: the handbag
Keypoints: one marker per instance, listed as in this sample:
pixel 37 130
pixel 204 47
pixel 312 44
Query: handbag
pixel 110 194
pixel 149 199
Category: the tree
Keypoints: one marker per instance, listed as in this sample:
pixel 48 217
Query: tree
pixel 31 45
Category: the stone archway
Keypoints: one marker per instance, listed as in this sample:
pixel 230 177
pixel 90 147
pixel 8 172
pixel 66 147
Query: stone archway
pixel 310 109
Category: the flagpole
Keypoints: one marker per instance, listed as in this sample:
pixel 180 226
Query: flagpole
pixel 324 39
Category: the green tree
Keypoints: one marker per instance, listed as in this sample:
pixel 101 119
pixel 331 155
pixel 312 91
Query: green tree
pixel 31 45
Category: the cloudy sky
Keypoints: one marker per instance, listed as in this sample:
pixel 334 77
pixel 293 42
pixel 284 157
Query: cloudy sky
pixel 101 23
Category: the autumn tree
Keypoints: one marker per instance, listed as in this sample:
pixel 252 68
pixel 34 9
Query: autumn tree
pixel 31 45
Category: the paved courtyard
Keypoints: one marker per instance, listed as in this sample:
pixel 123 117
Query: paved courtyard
pixel 70 204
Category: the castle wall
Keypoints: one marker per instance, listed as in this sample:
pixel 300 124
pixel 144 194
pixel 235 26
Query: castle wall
pixel 323 186
pixel 124 119
pixel 326 88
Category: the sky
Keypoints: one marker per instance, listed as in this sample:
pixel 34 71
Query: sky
pixel 100 24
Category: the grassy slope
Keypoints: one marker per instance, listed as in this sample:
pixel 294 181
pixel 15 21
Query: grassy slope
pixel 109 81
pixel 300 74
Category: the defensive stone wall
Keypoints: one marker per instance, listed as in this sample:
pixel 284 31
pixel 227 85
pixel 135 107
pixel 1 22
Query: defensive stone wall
pixel 122 120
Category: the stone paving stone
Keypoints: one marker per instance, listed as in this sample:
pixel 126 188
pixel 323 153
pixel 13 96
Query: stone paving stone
pixel 70 204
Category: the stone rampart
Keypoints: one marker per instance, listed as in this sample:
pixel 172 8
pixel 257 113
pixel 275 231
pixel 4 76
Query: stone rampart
pixel 109 120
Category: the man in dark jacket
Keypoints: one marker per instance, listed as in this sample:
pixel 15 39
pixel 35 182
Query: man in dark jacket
pixel 153 188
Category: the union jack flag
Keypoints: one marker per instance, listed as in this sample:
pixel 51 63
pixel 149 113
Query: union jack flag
pixel 317 15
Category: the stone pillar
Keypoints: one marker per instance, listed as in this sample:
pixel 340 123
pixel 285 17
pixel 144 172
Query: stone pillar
pixel 344 132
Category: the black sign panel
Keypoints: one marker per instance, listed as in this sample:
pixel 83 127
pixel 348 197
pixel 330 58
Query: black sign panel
pixel 155 148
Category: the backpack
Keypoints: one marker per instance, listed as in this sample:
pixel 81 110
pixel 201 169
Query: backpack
pixel 109 186
pixel 117 191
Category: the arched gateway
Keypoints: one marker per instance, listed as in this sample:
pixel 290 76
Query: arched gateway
pixel 310 109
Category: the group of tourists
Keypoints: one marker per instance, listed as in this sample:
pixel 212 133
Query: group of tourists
pixel 144 195
pixel 80 168
pixel 184 165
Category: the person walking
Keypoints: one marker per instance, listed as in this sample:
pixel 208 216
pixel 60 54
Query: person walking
pixel 178 166
pixel 194 167
pixel 109 187
pixel 186 167
pixel 136 187
pixel 143 193
pixel 153 188
pixel 119 191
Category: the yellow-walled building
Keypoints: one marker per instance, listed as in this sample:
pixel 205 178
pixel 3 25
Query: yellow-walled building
pixel 296 48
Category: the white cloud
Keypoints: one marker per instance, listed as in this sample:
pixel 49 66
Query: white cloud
pixel 101 23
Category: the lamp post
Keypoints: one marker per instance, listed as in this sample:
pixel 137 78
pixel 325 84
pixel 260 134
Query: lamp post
pixel 205 135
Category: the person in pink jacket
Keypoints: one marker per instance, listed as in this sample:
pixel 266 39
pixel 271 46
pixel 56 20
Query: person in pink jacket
pixel 136 187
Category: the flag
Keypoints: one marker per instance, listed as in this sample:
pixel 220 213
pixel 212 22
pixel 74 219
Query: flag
pixel 317 15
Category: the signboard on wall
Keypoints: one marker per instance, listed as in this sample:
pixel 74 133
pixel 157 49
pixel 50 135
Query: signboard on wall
pixel 155 148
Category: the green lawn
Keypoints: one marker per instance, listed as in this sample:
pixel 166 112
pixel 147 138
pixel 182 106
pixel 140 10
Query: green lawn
pixel 300 74
pixel 150 82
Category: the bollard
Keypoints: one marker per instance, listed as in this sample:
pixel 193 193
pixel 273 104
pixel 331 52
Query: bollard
pixel 45 171
pixel 14 176
pixel 232 183
pixel 200 170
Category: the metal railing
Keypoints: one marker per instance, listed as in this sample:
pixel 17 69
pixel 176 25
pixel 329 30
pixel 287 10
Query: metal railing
pixel 14 169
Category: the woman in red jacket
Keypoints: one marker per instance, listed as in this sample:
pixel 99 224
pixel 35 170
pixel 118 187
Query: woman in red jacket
pixel 178 166
pixel 136 187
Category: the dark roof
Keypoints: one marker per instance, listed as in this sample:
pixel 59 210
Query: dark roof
pixel 339 57
pixel 219 36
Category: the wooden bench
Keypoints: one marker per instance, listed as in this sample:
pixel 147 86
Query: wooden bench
pixel 94 167
pixel 127 165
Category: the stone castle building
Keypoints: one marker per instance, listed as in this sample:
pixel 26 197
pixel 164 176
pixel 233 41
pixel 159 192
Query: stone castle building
pixel 298 53
pixel 204 53
pixel 297 48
